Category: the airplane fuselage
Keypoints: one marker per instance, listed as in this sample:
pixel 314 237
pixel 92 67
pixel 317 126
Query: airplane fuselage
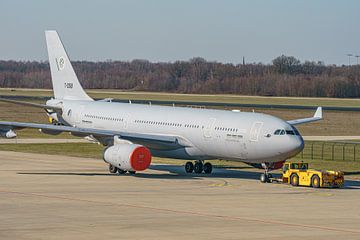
pixel 207 134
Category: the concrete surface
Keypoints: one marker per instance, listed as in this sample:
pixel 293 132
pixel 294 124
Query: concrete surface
pixel 56 197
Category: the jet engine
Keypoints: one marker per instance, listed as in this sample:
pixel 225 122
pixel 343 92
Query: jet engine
pixel 128 157
pixel 7 134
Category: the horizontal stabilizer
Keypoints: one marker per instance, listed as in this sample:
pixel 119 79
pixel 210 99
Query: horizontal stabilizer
pixel 30 104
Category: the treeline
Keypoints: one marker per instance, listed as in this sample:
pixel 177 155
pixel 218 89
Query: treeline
pixel 286 76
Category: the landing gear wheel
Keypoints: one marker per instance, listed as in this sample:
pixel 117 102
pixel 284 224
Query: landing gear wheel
pixel 132 172
pixel 207 168
pixel 189 167
pixel 264 178
pixel 121 172
pixel 112 169
pixel 198 168
pixel 315 181
pixel 294 180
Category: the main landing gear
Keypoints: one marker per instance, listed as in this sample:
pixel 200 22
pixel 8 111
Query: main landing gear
pixel 266 176
pixel 113 169
pixel 198 167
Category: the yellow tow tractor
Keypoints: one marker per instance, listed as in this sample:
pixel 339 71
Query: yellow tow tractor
pixel 299 174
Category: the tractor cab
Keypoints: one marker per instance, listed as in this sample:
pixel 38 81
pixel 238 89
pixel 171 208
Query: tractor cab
pixel 295 166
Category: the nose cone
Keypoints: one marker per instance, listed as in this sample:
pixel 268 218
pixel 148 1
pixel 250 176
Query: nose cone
pixel 296 145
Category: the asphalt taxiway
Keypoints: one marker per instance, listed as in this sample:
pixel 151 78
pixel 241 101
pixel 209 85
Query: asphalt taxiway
pixel 57 197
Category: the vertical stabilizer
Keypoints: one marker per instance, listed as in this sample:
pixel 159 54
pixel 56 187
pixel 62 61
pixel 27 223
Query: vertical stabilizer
pixel 65 82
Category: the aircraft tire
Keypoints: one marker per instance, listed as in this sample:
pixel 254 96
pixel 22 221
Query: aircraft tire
pixel 208 168
pixel 198 168
pixel 112 169
pixel 121 172
pixel 189 167
pixel 263 178
pixel 132 172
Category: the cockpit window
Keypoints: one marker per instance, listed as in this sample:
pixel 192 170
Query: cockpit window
pixel 287 132
pixel 296 131
pixel 277 132
pixel 290 132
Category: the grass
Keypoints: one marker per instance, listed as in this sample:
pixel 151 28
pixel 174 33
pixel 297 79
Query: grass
pixel 332 125
pixel 221 98
pixel 91 150
pixel 331 151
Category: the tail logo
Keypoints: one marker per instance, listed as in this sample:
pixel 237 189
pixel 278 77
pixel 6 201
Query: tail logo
pixel 60 63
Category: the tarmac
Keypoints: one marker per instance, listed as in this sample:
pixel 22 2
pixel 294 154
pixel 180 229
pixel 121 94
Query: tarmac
pixel 57 197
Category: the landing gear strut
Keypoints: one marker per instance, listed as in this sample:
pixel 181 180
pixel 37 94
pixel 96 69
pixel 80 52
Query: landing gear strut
pixel 198 167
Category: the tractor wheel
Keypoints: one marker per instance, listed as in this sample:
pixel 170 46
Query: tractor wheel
pixel 294 180
pixel 315 181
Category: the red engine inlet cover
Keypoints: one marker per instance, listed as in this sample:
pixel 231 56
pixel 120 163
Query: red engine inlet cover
pixel 140 158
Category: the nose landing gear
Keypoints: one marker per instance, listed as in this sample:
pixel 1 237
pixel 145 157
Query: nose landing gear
pixel 198 167
pixel 266 176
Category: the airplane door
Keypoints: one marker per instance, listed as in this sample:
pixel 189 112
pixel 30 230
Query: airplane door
pixel 79 113
pixel 207 129
pixel 255 131
pixel 127 121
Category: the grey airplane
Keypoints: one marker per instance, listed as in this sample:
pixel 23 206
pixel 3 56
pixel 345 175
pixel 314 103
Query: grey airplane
pixel 132 133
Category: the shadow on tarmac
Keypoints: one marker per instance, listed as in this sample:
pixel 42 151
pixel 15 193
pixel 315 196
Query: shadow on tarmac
pixel 164 172
pixel 177 172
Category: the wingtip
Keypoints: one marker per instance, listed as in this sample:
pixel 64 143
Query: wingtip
pixel 318 113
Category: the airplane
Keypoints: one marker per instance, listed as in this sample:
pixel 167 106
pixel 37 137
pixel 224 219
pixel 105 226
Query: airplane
pixel 132 133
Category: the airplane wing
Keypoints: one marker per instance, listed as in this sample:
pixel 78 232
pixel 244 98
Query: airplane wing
pixel 317 116
pixel 150 140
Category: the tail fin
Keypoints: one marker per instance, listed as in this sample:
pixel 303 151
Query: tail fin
pixel 65 82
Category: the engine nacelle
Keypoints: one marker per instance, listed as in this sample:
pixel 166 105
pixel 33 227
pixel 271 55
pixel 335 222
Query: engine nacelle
pixel 128 157
pixel 7 133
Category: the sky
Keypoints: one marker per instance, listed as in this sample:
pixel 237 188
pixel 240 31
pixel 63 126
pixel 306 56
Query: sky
pixel 169 30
